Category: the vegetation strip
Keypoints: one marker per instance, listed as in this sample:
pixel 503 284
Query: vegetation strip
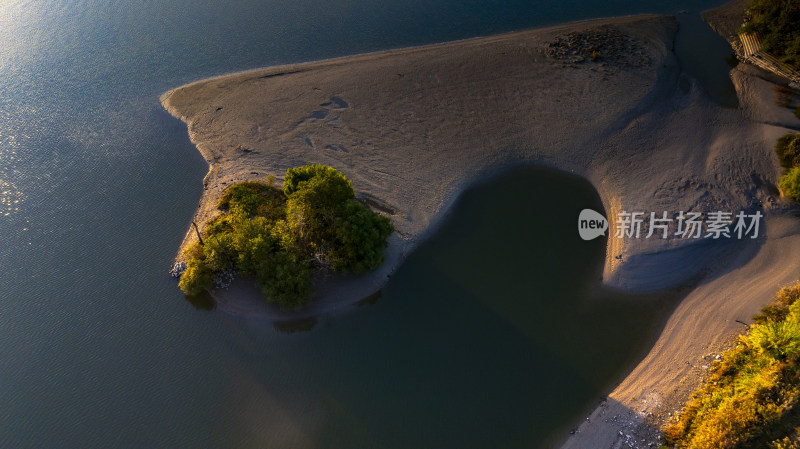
pixel 750 399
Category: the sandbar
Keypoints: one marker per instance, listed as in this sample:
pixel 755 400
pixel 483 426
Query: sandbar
pixel 412 128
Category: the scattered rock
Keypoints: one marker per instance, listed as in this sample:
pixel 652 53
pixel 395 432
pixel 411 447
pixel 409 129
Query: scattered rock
pixel 177 270
pixel 605 44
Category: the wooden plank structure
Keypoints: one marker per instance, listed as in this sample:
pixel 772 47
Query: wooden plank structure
pixel 751 46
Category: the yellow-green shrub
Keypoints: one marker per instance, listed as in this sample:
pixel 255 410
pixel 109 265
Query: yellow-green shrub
pixel 750 392
pixel 784 443
pixel 196 278
pixel 790 183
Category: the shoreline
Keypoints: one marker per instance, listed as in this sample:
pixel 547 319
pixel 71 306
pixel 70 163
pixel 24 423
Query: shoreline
pixel 445 196
pixel 404 241
pixel 420 125
pixel 710 319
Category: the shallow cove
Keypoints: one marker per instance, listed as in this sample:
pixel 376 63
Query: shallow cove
pixel 494 333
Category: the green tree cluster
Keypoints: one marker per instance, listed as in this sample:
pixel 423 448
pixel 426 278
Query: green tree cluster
pixel 778 24
pixel 790 183
pixel 788 151
pixel 280 237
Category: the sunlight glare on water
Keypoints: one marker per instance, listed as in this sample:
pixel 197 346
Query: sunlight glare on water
pixel 10 194
pixel 20 22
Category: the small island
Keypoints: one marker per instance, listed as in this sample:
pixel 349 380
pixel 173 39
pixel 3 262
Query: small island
pixel 280 236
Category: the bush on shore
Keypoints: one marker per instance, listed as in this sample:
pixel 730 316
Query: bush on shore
pixel 788 150
pixel 280 237
pixel 790 183
pixel 752 396
pixel 196 278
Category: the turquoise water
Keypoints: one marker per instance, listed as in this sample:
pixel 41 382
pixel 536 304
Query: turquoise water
pixel 97 186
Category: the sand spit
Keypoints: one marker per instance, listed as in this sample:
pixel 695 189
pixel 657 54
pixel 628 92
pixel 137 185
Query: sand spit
pixel 413 127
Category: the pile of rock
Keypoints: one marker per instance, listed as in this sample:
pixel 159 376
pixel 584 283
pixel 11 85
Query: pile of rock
pixel 605 44
pixel 177 270
pixel 222 279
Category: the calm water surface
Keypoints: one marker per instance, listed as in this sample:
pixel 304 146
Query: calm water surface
pixel 97 186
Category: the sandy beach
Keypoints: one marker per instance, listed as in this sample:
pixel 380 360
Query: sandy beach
pixel 412 128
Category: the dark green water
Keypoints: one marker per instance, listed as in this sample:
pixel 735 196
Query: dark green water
pixel 701 52
pixel 488 337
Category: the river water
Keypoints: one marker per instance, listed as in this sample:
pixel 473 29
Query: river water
pixel 480 339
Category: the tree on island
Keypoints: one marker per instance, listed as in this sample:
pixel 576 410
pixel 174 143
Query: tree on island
pixel 280 237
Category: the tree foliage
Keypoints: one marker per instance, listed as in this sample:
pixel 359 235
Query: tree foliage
pixel 280 237
pixel 360 237
pixel 314 204
pixel 788 150
pixel 219 251
pixel 790 183
pixel 253 198
pixel 298 175
pixel 752 395
pixel 284 280
pixel 778 24
pixel 196 278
